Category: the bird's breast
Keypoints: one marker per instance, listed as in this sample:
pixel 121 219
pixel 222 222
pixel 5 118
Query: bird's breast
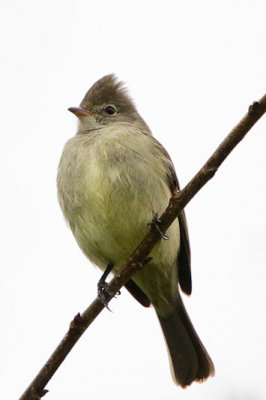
pixel 110 186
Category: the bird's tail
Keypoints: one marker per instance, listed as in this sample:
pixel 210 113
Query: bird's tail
pixel 188 357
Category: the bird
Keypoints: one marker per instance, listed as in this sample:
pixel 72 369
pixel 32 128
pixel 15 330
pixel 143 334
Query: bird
pixel 114 179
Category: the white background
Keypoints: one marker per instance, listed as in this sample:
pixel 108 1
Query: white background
pixel 193 68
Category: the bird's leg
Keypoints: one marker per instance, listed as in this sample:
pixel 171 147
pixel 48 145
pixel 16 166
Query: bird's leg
pixel 102 286
pixel 156 225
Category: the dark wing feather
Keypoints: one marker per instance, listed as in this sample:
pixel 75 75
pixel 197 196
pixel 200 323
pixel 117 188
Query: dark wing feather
pixel 137 293
pixel 183 258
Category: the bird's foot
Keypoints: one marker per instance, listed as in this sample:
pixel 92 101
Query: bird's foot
pixel 102 290
pixel 156 222
pixel 102 287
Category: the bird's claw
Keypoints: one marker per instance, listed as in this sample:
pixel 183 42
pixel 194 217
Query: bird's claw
pixel 102 290
pixel 156 222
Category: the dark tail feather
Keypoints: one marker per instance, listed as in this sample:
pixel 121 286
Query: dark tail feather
pixel 188 357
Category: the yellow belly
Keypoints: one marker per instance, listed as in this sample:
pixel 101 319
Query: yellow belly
pixel 109 193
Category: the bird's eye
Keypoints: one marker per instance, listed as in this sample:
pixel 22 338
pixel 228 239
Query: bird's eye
pixel 110 110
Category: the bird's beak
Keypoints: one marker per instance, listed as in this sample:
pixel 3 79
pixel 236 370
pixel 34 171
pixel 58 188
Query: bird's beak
pixel 79 112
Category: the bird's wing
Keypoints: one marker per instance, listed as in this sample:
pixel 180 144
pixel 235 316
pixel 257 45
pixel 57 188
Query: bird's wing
pixel 183 258
pixel 136 292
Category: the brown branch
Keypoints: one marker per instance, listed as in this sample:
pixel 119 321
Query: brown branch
pixel 140 256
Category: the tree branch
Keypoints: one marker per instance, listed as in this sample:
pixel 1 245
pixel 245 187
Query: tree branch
pixel 139 257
